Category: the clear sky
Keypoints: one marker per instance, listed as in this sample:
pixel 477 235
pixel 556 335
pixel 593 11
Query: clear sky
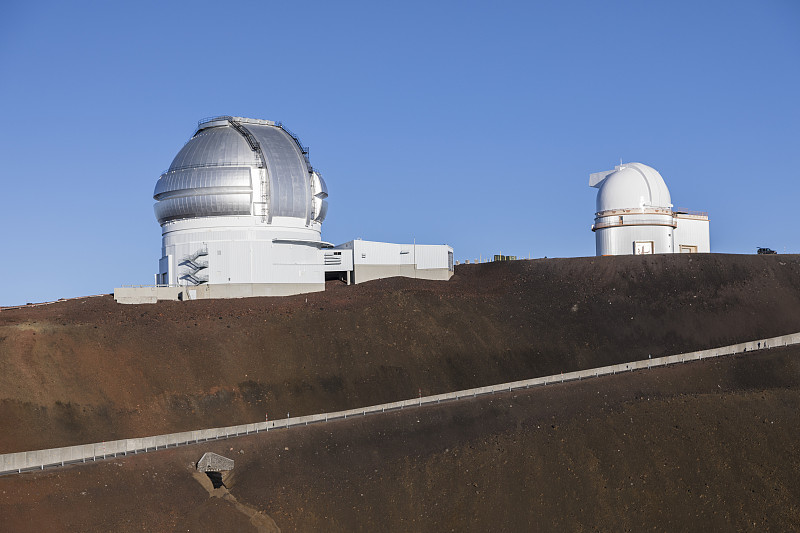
pixel 474 124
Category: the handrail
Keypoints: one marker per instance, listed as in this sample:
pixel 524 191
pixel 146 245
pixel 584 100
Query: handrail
pixel 303 149
pixel 213 119
pixel 148 286
pixel 199 253
pixel 238 119
pixel 252 142
pixel 194 265
pixel 635 211
pixel 196 280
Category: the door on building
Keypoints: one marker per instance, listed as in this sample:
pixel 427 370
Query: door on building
pixel 643 247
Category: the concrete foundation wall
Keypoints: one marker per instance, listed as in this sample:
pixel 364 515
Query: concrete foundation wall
pixel 364 273
pixel 145 295
pixel 150 295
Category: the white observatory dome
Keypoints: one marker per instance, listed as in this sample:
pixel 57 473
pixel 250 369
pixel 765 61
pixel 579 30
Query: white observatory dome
pixel 634 215
pixel 234 166
pixel 241 206
pixel 633 186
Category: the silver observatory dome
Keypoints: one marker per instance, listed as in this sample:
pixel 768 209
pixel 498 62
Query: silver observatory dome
pixel 235 166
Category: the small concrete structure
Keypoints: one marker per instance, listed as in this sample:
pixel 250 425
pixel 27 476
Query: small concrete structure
pixel 213 462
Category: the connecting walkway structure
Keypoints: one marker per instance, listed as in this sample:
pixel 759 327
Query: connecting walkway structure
pixel 13 463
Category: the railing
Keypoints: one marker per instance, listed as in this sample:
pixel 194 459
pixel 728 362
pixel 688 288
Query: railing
pixel 683 211
pixel 303 149
pixel 194 264
pixel 213 119
pixel 637 222
pixel 195 280
pixel 12 463
pixel 194 267
pixel 199 253
pixel 634 211
pixel 229 117
pixel 146 286
pixel 252 142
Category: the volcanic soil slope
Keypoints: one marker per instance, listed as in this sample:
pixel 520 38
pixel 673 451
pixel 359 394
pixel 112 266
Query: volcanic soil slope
pixel 703 444
pixel 89 370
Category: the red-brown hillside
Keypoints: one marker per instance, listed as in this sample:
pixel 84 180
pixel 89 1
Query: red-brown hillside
pixel 89 370
pixel 707 446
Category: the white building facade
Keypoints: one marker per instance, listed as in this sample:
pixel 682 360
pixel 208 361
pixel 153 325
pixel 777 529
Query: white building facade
pixel 241 211
pixel 358 261
pixel 635 215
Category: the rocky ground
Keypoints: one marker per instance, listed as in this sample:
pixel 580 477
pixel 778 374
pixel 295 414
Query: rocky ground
pixel 706 446
pixel 702 446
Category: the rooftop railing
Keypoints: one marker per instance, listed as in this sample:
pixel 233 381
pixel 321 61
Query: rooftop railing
pixel 684 211
pixel 303 148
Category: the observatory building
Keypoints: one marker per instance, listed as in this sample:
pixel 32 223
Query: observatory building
pixel 241 204
pixel 635 215
pixel 241 211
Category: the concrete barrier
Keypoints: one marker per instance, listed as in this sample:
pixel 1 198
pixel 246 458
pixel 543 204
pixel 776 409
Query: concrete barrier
pixel 40 459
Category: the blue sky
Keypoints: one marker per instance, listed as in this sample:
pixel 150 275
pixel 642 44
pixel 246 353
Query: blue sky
pixel 469 123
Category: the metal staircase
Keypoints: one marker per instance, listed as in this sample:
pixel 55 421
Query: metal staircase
pixel 195 280
pixel 193 266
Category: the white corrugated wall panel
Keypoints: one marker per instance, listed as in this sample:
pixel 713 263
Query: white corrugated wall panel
pixel 620 240
pixel 693 232
pixel 382 253
pixel 432 256
pixel 297 263
pixel 425 256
